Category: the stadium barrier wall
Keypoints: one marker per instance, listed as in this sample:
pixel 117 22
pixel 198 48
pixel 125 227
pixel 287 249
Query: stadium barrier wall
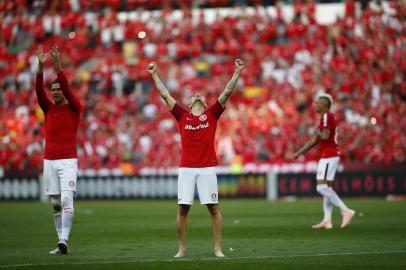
pixel 271 186
pixel 133 187
pixel 347 184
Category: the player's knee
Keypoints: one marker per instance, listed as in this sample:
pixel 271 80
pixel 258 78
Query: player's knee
pixel 322 189
pixel 183 210
pixel 56 204
pixel 67 202
pixel 214 209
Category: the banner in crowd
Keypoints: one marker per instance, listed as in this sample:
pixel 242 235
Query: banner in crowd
pixel 347 184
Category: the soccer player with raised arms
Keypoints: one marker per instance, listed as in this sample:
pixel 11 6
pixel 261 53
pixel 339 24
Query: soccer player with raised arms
pixel 62 115
pixel 326 138
pixel 198 159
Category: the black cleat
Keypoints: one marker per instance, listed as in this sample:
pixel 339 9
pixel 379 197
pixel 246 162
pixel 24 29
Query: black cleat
pixel 62 248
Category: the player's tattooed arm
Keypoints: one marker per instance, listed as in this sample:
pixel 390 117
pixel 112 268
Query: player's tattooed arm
pixel 163 90
pixel 309 145
pixel 239 65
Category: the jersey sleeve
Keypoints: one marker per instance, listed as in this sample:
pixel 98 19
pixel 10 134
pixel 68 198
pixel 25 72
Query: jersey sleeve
pixel 216 109
pixel 327 121
pixel 177 111
pixel 41 95
pixel 72 99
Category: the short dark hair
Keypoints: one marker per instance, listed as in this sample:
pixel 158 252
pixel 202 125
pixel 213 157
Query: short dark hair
pixel 55 81
pixel 328 101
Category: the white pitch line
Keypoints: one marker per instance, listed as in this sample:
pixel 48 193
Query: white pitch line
pixel 213 258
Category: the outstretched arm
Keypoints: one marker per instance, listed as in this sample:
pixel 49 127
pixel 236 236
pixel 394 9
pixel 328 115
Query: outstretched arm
pixel 73 101
pixel 39 82
pixel 239 65
pixel 306 147
pixel 163 91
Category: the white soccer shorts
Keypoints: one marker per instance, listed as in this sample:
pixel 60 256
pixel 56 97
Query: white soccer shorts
pixel 206 181
pixel 60 174
pixel 326 170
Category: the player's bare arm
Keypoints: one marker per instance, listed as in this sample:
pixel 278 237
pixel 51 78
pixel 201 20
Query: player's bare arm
pixel 55 58
pixel 239 65
pixel 305 148
pixel 163 90
pixel 41 58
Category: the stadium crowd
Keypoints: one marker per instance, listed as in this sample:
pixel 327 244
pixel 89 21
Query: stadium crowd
pixel 360 60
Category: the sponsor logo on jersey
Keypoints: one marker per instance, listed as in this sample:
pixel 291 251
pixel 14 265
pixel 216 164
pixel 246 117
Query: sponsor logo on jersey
pixel 71 183
pixel 190 127
pixel 203 117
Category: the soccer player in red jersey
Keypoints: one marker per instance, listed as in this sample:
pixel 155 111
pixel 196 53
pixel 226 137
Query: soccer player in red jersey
pixel 198 159
pixel 62 115
pixel 326 138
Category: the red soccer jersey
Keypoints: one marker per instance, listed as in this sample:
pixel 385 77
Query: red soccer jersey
pixel 61 123
pixel 328 148
pixel 197 135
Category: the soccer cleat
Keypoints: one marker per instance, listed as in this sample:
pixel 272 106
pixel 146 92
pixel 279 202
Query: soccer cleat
pixel 327 225
pixel 55 252
pixel 219 254
pixel 62 248
pixel 179 255
pixel 347 217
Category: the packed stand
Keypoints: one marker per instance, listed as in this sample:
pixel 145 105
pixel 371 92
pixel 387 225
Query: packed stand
pixel 360 60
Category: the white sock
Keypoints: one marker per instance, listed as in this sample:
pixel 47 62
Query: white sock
pixel 67 213
pixel 329 193
pixel 57 214
pixel 328 209
pixel 58 224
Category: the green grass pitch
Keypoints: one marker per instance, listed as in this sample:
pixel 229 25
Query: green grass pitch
pixel 257 234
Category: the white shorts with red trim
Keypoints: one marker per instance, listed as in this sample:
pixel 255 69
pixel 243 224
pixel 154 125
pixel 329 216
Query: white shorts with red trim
pixel 206 181
pixel 60 175
pixel 326 170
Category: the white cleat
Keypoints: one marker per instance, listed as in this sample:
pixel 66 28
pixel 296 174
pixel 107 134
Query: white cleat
pixel 55 252
pixel 347 217
pixel 326 225
pixel 179 255
pixel 219 254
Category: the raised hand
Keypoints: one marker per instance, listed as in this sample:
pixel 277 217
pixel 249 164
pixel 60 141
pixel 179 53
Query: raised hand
pixel 152 68
pixel 239 64
pixel 55 54
pixel 55 58
pixel 41 55
pixel 163 91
